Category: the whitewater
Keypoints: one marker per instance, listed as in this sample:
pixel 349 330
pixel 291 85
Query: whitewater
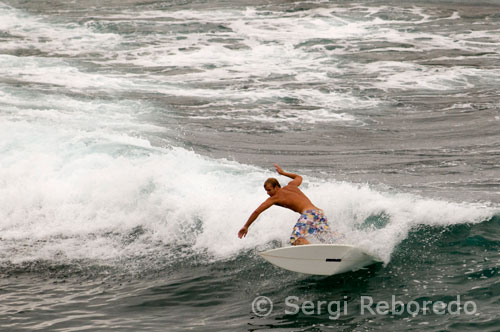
pixel 135 140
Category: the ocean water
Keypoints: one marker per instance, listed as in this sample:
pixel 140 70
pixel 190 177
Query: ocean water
pixel 135 137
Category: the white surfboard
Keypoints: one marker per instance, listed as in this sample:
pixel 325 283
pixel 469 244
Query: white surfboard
pixel 320 259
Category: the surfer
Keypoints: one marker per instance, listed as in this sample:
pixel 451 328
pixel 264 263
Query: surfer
pixel 312 220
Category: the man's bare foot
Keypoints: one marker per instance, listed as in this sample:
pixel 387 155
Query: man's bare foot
pixel 301 241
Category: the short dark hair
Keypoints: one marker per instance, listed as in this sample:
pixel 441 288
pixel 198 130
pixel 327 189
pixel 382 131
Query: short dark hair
pixel 273 182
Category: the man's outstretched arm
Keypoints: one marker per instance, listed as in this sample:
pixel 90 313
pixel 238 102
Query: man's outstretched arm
pixel 297 179
pixel 264 206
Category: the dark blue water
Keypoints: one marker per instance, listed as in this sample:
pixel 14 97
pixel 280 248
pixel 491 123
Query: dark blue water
pixel 135 137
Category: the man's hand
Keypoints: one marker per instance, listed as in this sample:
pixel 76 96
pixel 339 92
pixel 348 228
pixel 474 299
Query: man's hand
pixel 243 232
pixel 278 169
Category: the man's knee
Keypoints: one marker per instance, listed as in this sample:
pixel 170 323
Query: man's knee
pixel 301 241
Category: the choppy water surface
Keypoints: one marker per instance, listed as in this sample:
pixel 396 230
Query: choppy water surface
pixel 135 138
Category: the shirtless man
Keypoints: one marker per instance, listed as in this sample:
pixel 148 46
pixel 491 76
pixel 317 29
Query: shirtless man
pixel 312 220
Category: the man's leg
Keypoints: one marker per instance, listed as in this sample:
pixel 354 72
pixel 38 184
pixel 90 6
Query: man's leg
pixel 301 241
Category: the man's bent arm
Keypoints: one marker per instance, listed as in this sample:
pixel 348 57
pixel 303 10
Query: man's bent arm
pixel 297 179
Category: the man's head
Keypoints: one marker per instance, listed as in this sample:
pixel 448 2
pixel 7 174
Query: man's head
pixel 272 186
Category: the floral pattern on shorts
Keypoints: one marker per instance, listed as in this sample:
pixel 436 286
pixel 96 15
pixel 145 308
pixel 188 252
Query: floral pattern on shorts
pixel 311 222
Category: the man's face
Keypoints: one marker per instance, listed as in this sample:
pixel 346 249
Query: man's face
pixel 271 191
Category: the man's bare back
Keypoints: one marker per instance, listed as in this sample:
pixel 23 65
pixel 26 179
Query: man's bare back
pixel 290 197
pixel 293 198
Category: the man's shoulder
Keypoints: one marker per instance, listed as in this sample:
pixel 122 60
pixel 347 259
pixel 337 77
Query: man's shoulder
pixel 291 187
pixel 272 200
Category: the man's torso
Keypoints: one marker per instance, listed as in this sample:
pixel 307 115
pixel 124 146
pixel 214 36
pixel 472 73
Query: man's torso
pixel 293 198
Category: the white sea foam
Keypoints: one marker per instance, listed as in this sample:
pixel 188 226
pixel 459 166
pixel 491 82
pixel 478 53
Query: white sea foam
pixel 59 73
pixel 270 44
pixel 80 181
pixel 36 33
pixel 64 196
pixel 77 114
pixel 408 76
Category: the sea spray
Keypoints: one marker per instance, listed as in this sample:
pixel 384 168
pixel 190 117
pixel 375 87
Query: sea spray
pixel 64 196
